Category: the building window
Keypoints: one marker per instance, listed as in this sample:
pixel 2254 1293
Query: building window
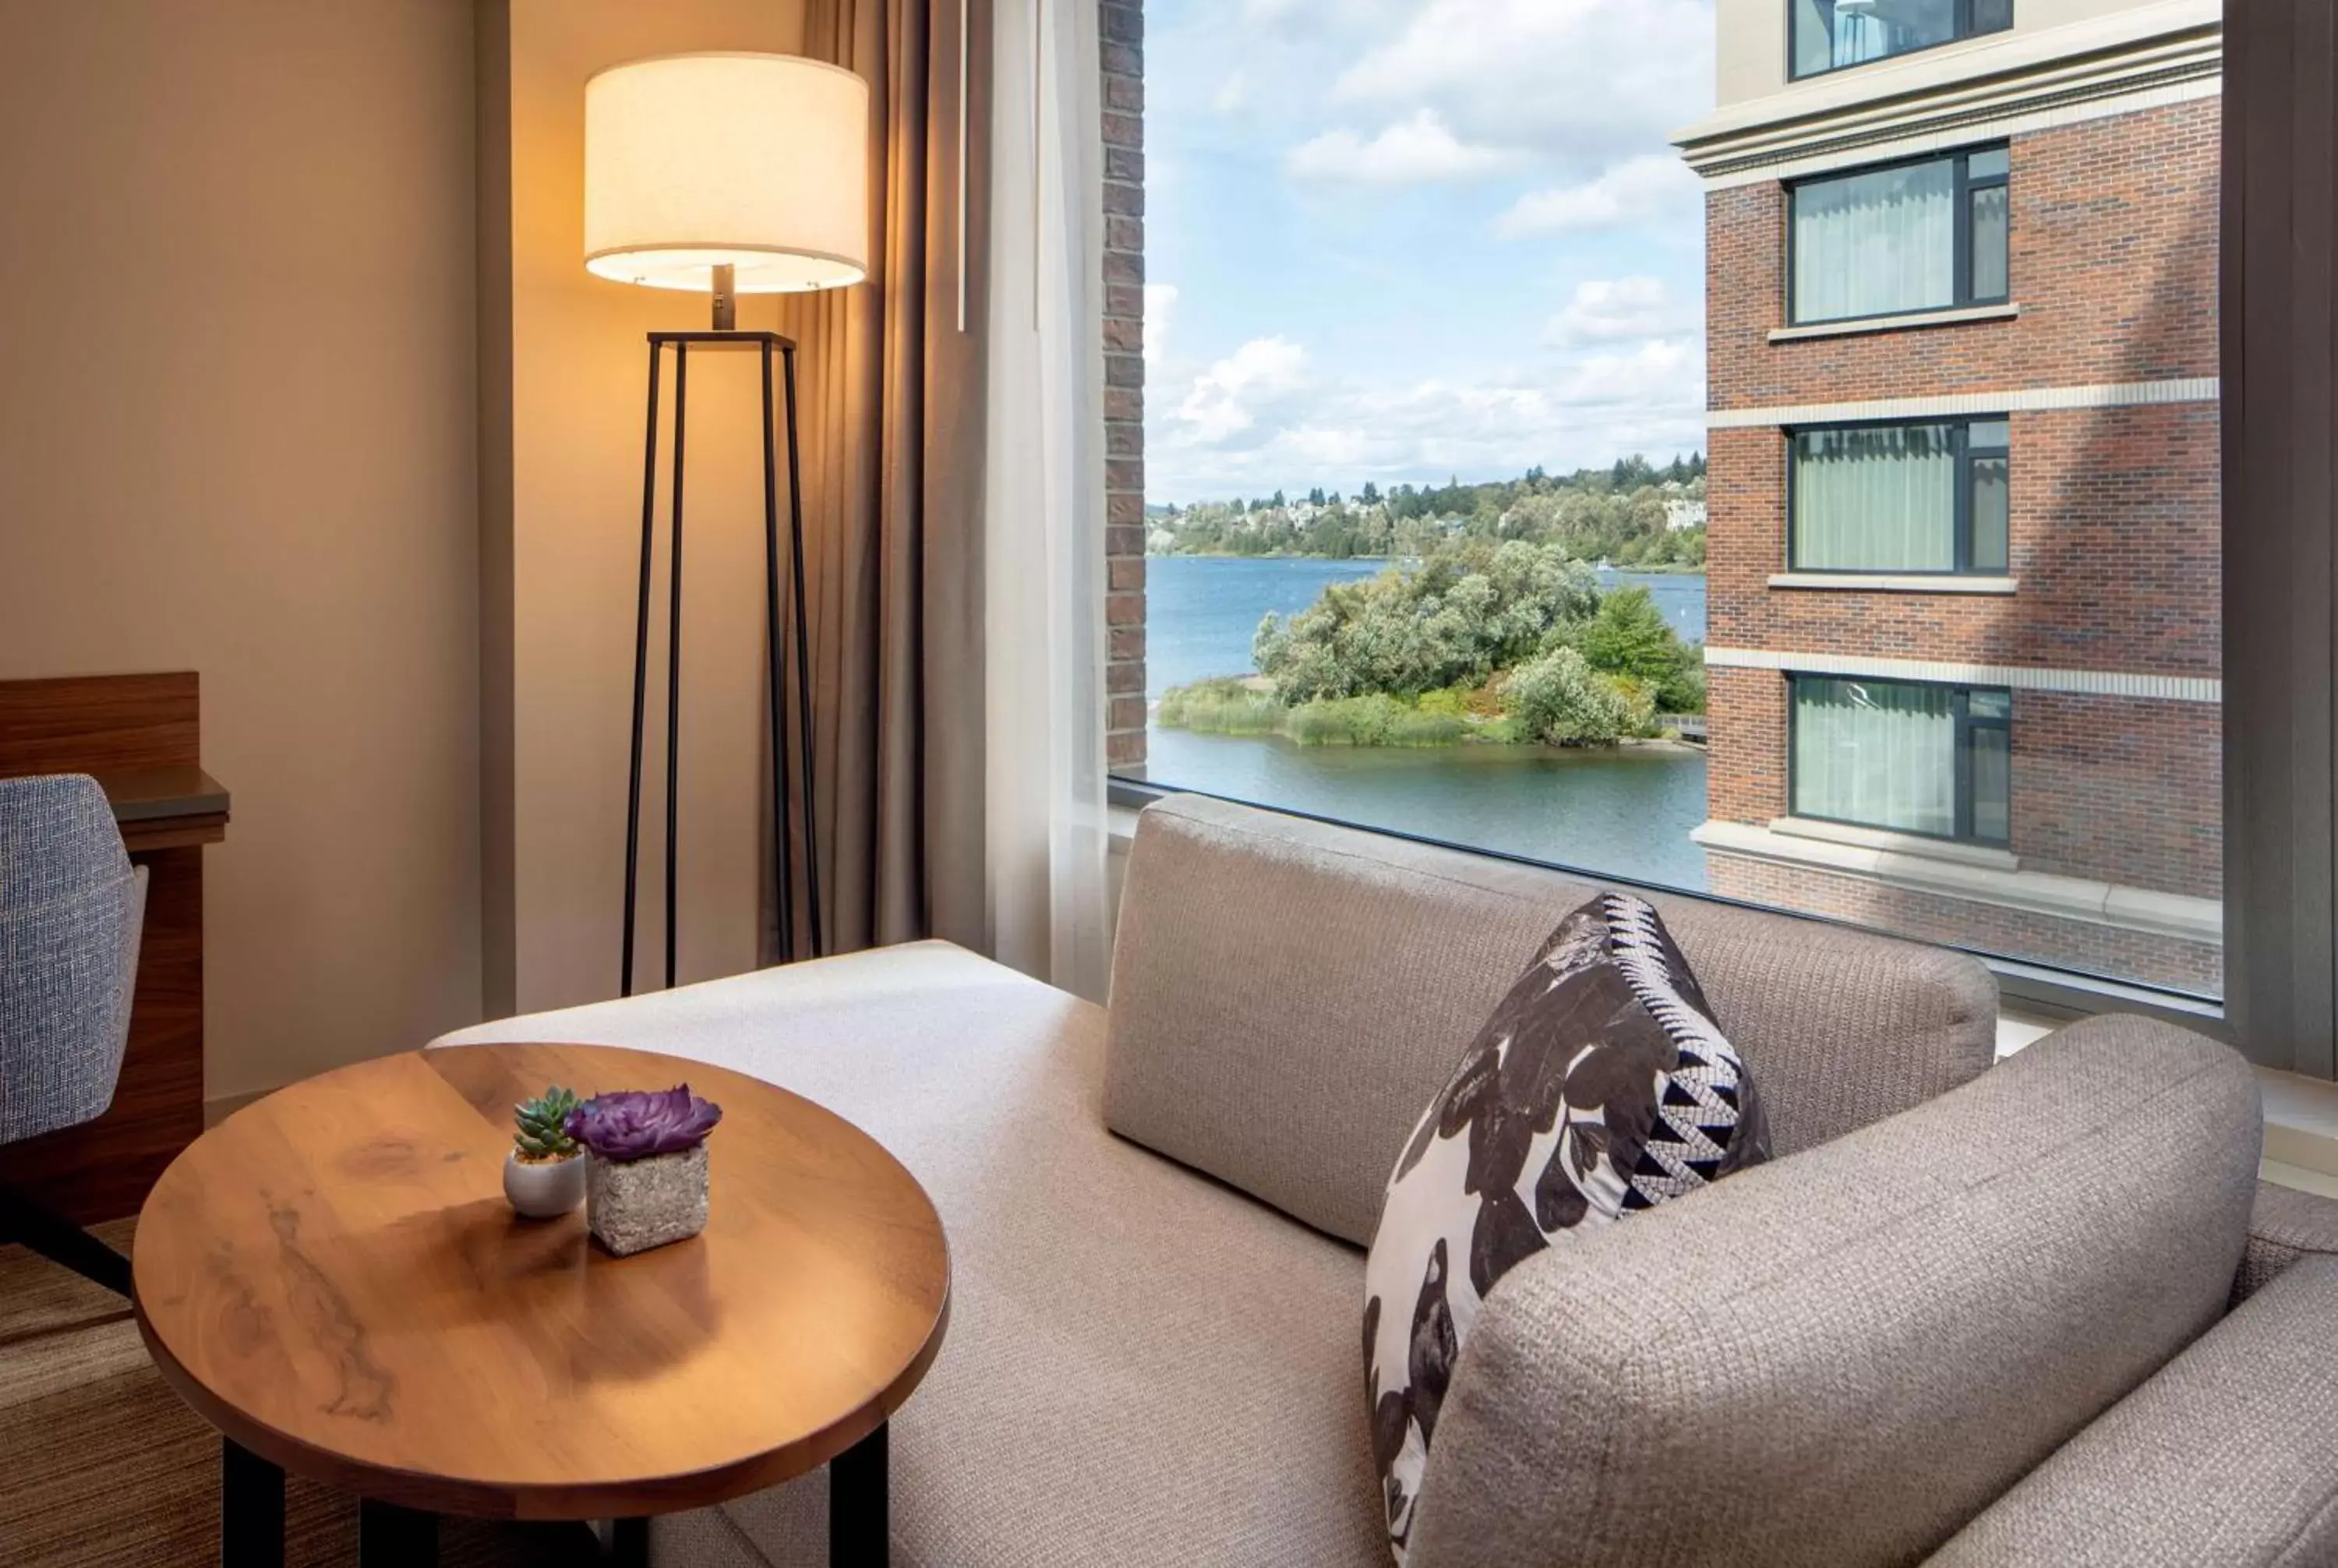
pixel 1913 497
pixel 1935 760
pixel 1830 34
pixel 1925 235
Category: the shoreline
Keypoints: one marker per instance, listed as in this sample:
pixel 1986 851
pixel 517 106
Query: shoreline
pixel 1669 569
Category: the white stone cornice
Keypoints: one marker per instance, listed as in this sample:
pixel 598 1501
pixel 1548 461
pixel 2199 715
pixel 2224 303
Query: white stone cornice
pixel 2020 400
pixel 2004 84
pixel 1945 672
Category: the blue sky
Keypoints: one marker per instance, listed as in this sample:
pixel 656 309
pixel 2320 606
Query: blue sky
pixel 1399 239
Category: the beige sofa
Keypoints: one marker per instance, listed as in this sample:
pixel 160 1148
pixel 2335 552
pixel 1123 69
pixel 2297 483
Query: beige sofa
pixel 1973 1314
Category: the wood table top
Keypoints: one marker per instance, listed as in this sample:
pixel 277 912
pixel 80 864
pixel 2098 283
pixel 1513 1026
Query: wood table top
pixel 332 1278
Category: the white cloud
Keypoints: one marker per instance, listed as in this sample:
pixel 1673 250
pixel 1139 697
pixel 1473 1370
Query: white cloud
pixel 1582 80
pixel 1226 399
pixel 1410 152
pixel 1232 94
pixel 1262 418
pixel 1160 304
pixel 1632 192
pixel 1612 311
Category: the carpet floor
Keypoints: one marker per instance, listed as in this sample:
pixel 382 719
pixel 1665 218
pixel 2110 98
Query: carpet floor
pixel 101 1465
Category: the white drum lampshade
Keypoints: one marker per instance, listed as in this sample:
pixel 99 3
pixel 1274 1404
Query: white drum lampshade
pixel 756 162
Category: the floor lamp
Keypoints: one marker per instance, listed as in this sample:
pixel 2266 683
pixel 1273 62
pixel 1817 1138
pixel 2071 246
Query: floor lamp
pixel 726 174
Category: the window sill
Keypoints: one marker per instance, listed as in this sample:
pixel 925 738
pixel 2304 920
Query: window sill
pixel 1886 839
pixel 1900 323
pixel 2175 915
pixel 1893 583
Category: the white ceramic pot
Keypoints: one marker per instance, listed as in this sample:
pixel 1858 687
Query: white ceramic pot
pixel 543 1188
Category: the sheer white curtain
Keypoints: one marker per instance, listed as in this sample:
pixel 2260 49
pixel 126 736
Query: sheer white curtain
pixel 1042 557
pixel 1877 753
pixel 1878 242
pixel 1878 499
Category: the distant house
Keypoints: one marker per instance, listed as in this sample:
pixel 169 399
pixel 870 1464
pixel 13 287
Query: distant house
pixel 1682 513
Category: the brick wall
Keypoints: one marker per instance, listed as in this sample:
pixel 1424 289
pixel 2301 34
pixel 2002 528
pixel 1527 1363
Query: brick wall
pixel 1745 761
pixel 1122 26
pixel 2121 789
pixel 2116 788
pixel 2113 257
pixel 2115 537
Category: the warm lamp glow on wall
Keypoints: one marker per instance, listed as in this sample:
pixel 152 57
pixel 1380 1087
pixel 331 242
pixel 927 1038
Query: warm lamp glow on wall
pixel 716 172
pixel 727 174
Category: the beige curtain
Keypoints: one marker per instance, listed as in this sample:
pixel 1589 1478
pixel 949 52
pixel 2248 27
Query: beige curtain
pixel 892 377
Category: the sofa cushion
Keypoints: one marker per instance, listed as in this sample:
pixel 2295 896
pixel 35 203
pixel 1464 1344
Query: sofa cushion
pixel 1138 1360
pixel 1287 995
pixel 1599 1086
pixel 2224 1457
pixel 1929 1308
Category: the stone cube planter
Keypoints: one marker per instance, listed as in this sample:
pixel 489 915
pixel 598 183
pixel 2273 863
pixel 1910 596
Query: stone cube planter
pixel 633 1205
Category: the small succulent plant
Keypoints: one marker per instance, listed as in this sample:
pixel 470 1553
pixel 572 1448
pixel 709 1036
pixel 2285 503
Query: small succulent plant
pixel 636 1124
pixel 543 1125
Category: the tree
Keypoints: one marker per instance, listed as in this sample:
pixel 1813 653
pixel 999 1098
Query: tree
pixel 1369 494
pixel 1559 699
pixel 1628 637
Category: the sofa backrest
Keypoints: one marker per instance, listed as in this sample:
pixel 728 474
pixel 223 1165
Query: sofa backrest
pixel 1287 995
pixel 1844 1357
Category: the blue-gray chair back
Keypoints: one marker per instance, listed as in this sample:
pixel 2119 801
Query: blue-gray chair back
pixel 71 907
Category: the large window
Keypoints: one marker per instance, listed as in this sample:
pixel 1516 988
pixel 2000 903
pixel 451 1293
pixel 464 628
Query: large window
pixel 1442 570
pixel 1830 34
pixel 1900 498
pixel 1912 759
pixel 1925 235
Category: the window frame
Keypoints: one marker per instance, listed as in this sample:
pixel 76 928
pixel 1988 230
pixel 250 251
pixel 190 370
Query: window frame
pixel 1961 523
pixel 1962 31
pixel 1963 184
pixel 1964 723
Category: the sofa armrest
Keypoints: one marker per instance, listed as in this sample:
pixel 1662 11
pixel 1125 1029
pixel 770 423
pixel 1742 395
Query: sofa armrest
pixel 2223 1456
pixel 2285 1225
pixel 1842 1356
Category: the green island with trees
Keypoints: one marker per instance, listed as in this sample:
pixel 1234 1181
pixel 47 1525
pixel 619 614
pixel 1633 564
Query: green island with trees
pixel 1511 643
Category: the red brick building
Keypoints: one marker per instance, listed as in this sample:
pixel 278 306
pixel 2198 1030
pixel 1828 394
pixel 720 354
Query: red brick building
pixel 1962 635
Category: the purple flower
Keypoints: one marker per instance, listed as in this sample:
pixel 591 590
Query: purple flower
pixel 635 1124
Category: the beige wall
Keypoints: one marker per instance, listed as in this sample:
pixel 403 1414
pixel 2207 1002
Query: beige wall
pixel 236 436
pixel 561 535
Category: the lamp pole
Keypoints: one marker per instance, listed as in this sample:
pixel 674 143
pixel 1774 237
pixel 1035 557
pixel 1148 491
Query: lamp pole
pixel 726 298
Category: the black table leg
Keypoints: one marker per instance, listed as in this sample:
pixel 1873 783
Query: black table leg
pixel 629 1542
pixel 860 1507
pixel 390 1536
pixel 252 1509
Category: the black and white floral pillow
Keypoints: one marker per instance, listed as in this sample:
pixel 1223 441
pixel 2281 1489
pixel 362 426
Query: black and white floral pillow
pixel 1600 1085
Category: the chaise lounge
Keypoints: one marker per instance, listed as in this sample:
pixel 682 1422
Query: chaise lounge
pixel 1974 1314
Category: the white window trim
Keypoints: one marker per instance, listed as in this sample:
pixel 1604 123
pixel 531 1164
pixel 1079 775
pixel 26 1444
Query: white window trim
pixel 1885 839
pixel 1893 583
pixel 2079 898
pixel 1904 321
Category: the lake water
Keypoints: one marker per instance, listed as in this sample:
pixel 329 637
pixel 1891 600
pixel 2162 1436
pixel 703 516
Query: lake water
pixel 1626 813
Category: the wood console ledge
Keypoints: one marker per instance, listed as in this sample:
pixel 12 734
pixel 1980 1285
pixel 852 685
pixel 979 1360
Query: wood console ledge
pixel 139 735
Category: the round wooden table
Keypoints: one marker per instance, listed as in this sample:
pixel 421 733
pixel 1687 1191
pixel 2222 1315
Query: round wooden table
pixel 331 1276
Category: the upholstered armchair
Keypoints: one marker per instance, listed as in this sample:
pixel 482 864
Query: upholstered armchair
pixel 71 906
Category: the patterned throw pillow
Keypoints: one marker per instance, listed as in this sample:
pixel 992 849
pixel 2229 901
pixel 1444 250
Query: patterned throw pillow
pixel 1599 1086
